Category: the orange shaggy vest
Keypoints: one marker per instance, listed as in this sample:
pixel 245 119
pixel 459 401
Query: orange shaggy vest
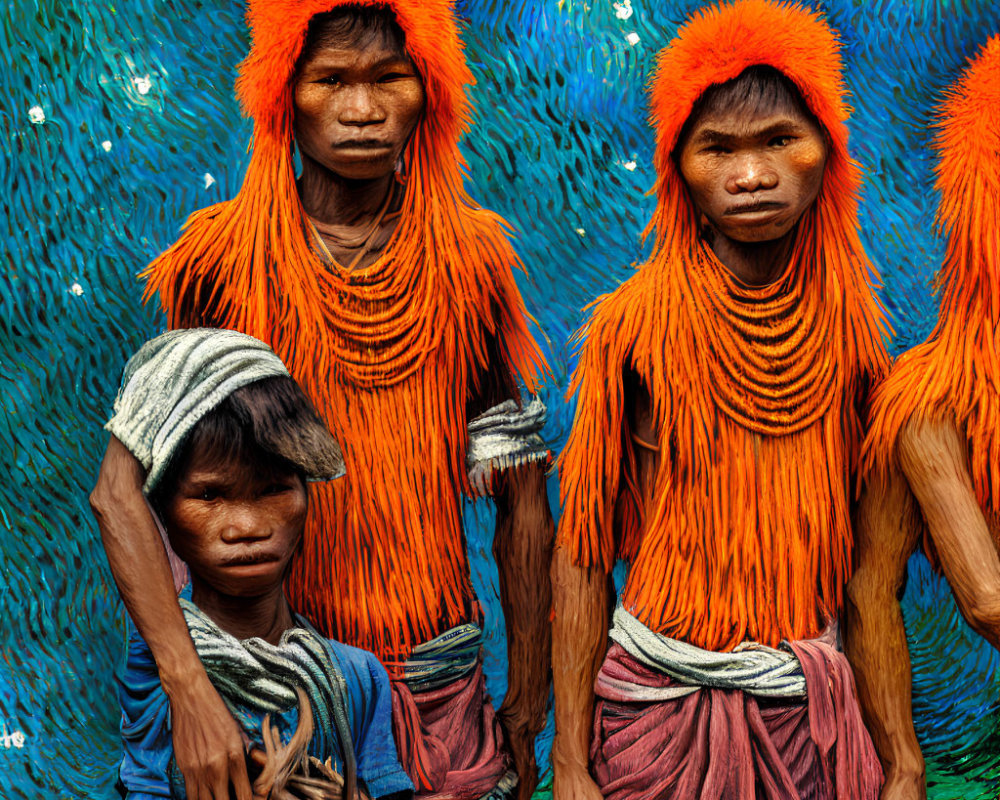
pixel 389 354
pixel 756 391
pixel 955 374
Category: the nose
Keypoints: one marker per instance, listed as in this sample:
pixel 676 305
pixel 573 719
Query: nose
pixel 751 172
pixel 245 524
pixel 360 106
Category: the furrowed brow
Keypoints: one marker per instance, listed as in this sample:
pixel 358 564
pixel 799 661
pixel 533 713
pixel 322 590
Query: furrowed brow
pixel 776 128
pixel 347 61
pixel 710 136
pixel 391 61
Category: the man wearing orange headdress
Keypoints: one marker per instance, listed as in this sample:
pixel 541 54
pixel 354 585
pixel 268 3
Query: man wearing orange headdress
pixel 933 453
pixel 719 420
pixel 390 296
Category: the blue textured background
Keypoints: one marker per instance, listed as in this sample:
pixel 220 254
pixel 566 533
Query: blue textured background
pixel 118 120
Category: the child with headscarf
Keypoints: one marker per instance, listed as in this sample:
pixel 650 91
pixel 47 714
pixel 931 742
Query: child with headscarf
pixel 228 441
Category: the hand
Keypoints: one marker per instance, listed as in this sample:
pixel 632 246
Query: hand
pixel 208 743
pixel 903 785
pixel 574 783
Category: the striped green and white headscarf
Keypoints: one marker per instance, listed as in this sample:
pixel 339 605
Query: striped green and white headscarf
pixel 178 377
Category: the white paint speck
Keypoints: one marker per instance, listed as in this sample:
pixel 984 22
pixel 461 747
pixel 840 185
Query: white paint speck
pixel 106 145
pixel 630 166
pixel 142 84
pixel 581 231
pixel 11 739
pixel 632 38
pixel 623 10
pixel 209 179
pixel 37 115
pixel 76 289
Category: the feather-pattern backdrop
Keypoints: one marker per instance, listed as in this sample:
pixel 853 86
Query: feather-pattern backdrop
pixel 119 119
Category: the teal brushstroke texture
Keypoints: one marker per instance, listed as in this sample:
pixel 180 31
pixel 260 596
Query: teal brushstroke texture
pixel 140 128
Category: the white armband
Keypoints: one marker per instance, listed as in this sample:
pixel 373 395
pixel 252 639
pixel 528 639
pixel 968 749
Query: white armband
pixel 505 436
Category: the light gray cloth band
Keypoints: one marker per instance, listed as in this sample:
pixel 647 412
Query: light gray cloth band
pixel 175 380
pixel 505 436
pixel 752 668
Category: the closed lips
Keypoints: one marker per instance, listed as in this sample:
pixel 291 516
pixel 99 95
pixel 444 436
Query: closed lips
pixel 766 205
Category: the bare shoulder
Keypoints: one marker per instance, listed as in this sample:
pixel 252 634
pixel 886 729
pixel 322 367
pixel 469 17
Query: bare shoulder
pixel 931 448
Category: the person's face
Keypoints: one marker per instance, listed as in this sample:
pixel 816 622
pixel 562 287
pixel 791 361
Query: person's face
pixel 356 107
pixel 236 528
pixel 753 175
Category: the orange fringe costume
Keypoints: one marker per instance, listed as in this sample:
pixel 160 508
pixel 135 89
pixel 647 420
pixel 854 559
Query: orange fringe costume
pixel 758 393
pixel 955 373
pixel 390 354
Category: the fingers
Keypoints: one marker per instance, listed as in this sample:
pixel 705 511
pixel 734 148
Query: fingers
pixel 220 787
pixel 208 743
pixel 217 776
pixel 238 777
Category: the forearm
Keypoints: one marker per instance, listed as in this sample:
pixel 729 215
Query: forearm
pixel 933 458
pixel 886 534
pixel 523 550
pixel 140 567
pixel 875 642
pixel 208 746
pixel 579 644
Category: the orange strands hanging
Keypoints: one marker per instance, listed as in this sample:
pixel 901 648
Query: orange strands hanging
pixel 389 353
pixel 757 392
pixel 955 373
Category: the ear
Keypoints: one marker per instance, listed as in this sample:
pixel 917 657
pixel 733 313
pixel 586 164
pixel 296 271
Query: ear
pixel 178 568
pixel 705 229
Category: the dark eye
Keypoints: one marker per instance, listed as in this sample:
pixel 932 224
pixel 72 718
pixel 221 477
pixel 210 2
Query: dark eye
pixel 389 77
pixel 330 80
pixel 716 149
pixel 278 487
pixel 781 141
pixel 208 494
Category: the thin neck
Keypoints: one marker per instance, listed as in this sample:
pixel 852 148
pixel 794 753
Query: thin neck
pixel 753 263
pixel 338 201
pixel 266 616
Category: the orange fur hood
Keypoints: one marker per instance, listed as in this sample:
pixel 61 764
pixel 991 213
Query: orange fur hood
pixel 715 46
pixel 278 28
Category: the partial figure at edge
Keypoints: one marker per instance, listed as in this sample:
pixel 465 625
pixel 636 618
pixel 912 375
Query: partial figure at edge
pixel 932 457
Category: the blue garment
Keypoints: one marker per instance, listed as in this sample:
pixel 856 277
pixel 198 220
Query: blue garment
pixel 148 769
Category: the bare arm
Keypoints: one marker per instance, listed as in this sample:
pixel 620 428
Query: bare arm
pixel 933 457
pixel 207 742
pixel 886 533
pixel 579 643
pixel 523 548
pixel 582 599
